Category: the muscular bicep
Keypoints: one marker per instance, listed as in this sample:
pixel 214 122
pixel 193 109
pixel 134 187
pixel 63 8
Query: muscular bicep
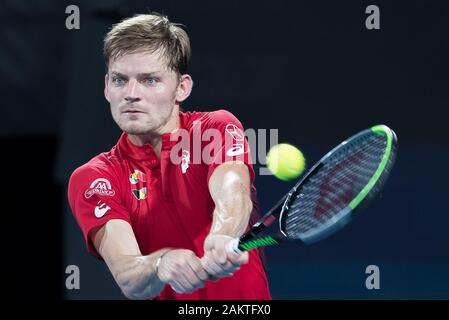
pixel 115 240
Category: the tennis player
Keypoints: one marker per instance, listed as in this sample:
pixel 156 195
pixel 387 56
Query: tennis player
pixel 158 210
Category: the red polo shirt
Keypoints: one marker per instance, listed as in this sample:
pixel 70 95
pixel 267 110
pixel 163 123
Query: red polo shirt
pixel 166 200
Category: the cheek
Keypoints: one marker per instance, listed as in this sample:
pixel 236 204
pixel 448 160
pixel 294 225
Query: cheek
pixel 163 94
pixel 111 97
pixel 114 101
pixel 160 91
pixel 114 95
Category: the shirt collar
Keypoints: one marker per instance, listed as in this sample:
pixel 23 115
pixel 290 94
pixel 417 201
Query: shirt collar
pixel 146 152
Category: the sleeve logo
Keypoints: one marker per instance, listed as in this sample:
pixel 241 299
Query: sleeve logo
pixel 101 209
pixel 238 136
pixel 100 186
pixel 235 132
pixel 235 150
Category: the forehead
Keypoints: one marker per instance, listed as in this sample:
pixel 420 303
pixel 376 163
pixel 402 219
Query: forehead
pixel 139 62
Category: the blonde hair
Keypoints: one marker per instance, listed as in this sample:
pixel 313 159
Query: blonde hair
pixel 149 32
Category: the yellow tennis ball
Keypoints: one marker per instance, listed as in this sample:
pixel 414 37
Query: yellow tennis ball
pixel 285 161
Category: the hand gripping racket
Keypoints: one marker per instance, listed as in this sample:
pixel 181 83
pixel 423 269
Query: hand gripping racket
pixel 325 199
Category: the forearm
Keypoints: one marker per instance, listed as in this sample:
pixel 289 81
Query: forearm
pixel 136 275
pixel 229 187
pixel 232 210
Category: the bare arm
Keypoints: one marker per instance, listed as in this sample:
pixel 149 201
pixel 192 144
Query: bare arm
pixel 136 274
pixel 229 187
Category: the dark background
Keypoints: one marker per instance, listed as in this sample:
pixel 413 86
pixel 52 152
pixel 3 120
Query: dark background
pixel 308 68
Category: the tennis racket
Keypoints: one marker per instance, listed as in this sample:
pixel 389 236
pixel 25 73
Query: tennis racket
pixel 325 199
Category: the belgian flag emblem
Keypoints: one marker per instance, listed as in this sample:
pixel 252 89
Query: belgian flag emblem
pixel 139 179
pixel 140 194
pixel 137 176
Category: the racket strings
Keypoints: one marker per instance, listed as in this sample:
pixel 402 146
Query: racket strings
pixel 343 175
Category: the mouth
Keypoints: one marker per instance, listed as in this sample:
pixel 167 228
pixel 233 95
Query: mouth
pixel 132 111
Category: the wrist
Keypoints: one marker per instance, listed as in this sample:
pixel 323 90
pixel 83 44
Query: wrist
pixel 214 240
pixel 158 262
pixel 219 235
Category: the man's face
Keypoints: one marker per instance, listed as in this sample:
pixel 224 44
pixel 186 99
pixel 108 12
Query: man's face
pixel 142 92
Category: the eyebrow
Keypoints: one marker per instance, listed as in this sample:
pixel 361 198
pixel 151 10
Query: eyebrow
pixel 140 75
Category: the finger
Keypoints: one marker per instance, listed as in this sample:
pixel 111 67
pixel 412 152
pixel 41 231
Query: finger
pixel 198 269
pixel 220 254
pixel 218 258
pixel 181 281
pixel 184 285
pixel 178 287
pixel 238 259
pixel 173 275
pixel 210 265
pixel 214 270
pixel 213 278
pixel 228 265
pixel 226 269
pixel 229 269
pixel 192 278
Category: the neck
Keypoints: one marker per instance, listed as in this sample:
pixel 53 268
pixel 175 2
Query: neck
pixel 155 138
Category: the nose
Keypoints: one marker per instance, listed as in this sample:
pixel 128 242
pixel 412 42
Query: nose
pixel 131 92
pixel 132 99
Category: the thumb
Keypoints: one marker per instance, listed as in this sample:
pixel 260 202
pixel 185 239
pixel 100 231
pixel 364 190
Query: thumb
pixel 241 258
pixel 220 255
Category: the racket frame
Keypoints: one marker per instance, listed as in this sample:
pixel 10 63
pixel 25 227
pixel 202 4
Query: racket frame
pixel 250 240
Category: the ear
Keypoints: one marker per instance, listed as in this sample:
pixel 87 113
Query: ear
pixel 106 87
pixel 184 88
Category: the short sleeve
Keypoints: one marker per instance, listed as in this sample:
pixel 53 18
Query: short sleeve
pixel 94 198
pixel 229 142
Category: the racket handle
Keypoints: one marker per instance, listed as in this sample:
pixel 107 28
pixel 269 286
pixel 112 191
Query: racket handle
pixel 233 246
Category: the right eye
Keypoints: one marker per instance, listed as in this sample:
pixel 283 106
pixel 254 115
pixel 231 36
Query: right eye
pixel 118 81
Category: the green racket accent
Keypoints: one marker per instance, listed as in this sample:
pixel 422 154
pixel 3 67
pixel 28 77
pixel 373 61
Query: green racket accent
pixel 260 242
pixel 381 130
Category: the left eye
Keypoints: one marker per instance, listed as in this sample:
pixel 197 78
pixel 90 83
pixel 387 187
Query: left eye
pixel 150 81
